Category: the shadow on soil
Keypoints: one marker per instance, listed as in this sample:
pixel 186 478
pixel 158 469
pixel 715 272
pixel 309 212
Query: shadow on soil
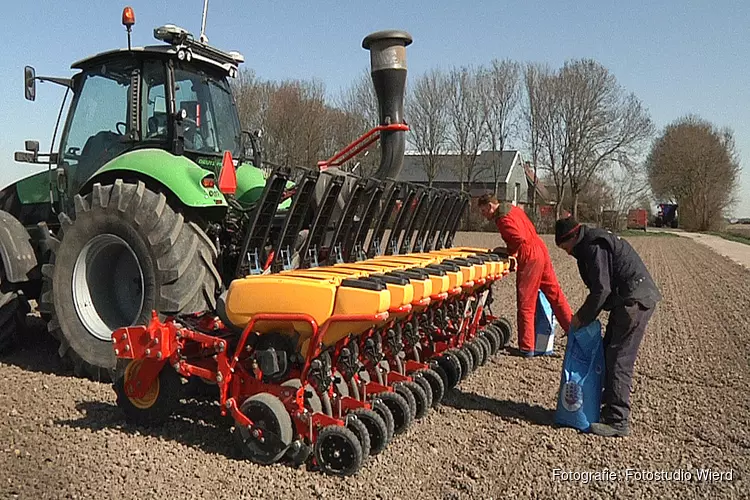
pixel 197 423
pixel 507 410
pixel 37 351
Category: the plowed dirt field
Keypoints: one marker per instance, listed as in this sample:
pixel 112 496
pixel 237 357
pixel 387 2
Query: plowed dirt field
pixel 63 437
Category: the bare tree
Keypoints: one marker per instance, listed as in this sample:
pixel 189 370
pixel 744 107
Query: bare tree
pixel 468 130
pixel 598 195
pixel 548 128
pixel 499 92
pixel 531 113
pixel 295 124
pixel 695 164
pixel 253 97
pixel 247 90
pixel 360 104
pixel 428 119
pixel 629 187
pixel 602 124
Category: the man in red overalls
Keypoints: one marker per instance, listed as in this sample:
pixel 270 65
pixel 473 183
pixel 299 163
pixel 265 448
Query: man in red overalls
pixel 534 270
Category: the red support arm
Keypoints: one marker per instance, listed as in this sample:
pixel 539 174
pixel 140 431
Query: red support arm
pixel 360 144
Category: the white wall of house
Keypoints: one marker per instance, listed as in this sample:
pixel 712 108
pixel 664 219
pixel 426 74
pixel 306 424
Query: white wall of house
pixel 516 183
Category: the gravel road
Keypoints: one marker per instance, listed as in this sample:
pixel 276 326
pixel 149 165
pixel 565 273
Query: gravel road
pixel 738 252
pixel 62 437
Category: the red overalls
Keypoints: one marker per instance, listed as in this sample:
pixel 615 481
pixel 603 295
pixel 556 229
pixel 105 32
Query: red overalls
pixel 534 272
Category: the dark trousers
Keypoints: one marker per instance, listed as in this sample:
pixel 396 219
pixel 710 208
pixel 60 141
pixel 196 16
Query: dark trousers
pixel 622 338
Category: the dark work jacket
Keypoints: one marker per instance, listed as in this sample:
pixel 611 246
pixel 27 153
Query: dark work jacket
pixel 613 272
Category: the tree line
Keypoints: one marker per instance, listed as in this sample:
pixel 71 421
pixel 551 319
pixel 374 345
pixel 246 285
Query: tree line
pixel 588 139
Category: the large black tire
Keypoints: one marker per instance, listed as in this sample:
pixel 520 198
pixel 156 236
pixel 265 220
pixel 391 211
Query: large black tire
pixel 131 243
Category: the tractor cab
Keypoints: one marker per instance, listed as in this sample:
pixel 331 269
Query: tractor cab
pixel 172 97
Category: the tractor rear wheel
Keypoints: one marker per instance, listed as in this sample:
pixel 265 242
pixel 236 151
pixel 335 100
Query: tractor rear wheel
pixel 128 252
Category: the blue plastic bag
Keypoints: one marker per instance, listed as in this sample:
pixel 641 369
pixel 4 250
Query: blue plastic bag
pixel 580 394
pixel 544 326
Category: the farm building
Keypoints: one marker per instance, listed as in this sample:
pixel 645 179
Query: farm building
pixel 502 172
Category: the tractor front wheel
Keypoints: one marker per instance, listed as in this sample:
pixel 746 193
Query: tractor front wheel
pixel 128 252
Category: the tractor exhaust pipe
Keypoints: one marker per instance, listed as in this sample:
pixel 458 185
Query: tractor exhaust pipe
pixel 388 71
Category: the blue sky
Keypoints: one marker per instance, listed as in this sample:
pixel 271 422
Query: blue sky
pixel 677 57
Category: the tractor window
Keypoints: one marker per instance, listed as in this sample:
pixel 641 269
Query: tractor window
pixel 154 117
pixel 99 120
pixel 212 125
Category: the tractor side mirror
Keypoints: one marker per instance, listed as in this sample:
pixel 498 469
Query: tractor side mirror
pixel 29 75
pixel 31 155
pixel 255 137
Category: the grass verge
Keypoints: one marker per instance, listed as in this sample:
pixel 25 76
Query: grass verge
pixel 732 237
pixel 649 232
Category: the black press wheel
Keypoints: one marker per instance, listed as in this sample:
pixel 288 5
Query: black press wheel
pixel 157 404
pixel 399 408
pixel 312 399
pixel 465 360
pixel 484 344
pixel 421 402
pixel 425 385
pixel 440 372
pixel 383 412
pixel 493 338
pixel 272 429
pixel 337 451
pixel 354 424
pixel 506 330
pixel 436 383
pixel 376 429
pixel 477 354
pixel 408 395
pixel 451 367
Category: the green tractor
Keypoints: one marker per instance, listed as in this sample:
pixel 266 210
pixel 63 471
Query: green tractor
pixel 120 222
pixel 143 206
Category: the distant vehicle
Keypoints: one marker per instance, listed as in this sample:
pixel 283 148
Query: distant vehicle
pixel 637 219
pixel 666 215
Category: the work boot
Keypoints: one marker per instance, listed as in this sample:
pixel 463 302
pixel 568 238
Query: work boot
pixel 617 429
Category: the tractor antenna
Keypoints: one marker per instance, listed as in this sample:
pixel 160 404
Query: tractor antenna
pixel 128 20
pixel 203 38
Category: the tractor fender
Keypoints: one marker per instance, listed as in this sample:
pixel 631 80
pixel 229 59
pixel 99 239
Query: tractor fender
pixel 178 174
pixel 15 249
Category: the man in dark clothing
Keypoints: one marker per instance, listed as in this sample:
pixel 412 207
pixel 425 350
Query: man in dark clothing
pixel 619 282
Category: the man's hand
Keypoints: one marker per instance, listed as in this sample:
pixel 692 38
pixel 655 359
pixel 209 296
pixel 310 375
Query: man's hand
pixel 501 251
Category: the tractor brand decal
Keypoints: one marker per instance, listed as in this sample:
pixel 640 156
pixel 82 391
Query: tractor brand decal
pixel 208 162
